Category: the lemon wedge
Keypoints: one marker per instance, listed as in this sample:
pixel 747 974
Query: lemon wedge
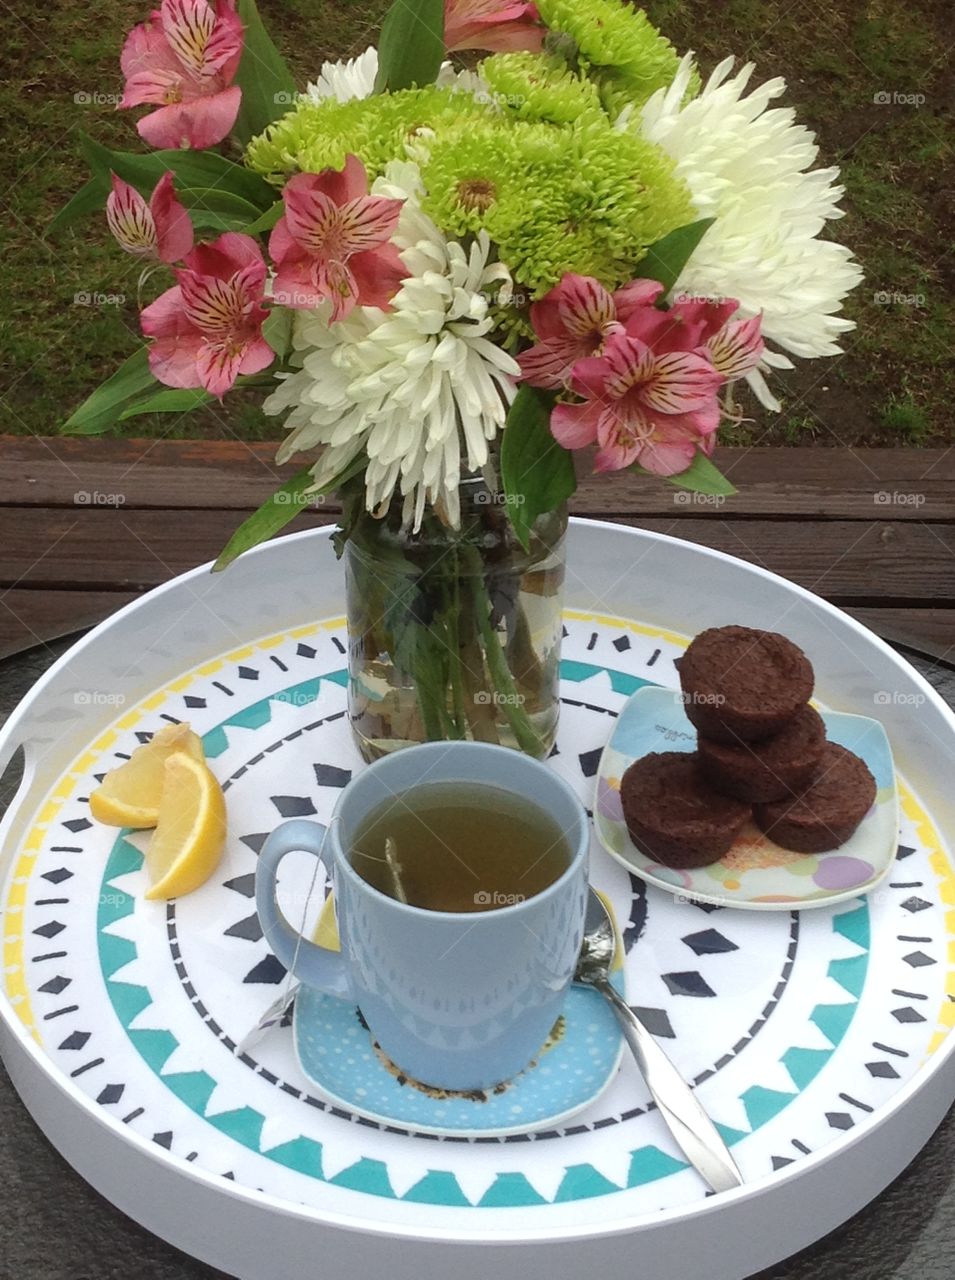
pixel 187 844
pixel 326 930
pixel 129 795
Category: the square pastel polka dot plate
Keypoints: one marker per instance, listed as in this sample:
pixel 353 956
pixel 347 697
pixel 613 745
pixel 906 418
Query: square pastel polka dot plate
pixel 756 874
pixel 337 1053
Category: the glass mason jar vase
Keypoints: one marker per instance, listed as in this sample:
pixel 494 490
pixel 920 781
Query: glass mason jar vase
pixel 454 633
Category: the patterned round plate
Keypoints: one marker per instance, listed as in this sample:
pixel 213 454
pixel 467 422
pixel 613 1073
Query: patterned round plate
pixel 818 1041
pixel 336 1053
pixel 756 873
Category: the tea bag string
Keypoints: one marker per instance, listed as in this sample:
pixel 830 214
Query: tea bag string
pixel 300 932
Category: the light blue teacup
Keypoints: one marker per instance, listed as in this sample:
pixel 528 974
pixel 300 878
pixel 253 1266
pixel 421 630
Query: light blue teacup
pixel 457 1000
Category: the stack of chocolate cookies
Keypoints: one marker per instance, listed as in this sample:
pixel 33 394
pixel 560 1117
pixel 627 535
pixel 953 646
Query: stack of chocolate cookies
pixel 761 752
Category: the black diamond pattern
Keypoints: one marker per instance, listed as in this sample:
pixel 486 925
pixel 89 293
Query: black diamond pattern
pixel 56 985
pixel 76 1040
pixel 305 651
pixel 163 1139
pixel 622 644
pixel 916 904
pixel 249 928
pixel 708 907
pixel 270 970
pixel 840 1120
pixel 329 775
pixel 78 824
pixel 143 735
pixel 248 673
pixel 243 884
pixel 255 841
pixel 709 942
pixel 687 984
pixel 294 806
pixel 50 930
pixel 780 1162
pixel 192 701
pixel 590 762
pixel 907 1014
pixel 882 1070
pixel 58 876
pixel 112 1093
pixel 918 959
pixel 904 851
pixel 656 1021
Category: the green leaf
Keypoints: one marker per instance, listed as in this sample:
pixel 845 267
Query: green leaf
pixel 411 45
pixel 277 330
pixel 192 169
pixel 537 472
pixel 268 89
pixel 91 198
pixel 222 210
pixel 279 509
pixel 100 410
pixel 666 259
pixel 703 477
pixel 169 401
pixel 267 220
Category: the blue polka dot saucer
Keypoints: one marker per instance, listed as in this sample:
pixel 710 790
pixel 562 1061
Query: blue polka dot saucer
pixel 336 1052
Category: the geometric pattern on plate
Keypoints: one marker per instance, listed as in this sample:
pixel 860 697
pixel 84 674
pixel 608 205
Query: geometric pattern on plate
pixel 794 1026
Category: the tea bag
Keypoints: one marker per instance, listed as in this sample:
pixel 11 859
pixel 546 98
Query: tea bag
pixel 394 866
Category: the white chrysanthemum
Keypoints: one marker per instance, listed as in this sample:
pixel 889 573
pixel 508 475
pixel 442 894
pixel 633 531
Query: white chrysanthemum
pixel 413 387
pixel 355 78
pixel 748 165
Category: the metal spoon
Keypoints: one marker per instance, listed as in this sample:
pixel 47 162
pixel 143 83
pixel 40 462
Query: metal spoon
pixel 692 1128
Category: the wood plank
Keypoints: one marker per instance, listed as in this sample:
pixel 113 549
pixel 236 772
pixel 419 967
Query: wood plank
pixel 931 631
pixel 29 618
pixel 881 563
pixel 856 484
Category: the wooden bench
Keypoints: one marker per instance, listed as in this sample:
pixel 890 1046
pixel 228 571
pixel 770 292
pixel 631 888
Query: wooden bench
pixel 88 524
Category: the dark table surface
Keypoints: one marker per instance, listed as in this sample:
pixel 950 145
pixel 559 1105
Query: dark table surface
pixel 53 1226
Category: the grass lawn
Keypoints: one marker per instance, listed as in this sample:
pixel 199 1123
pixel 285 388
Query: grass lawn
pixel 874 78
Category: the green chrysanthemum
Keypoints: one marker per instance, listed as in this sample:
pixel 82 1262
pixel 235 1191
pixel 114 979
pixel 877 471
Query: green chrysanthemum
pixel 578 198
pixel 616 44
pixel 319 135
pixel 536 86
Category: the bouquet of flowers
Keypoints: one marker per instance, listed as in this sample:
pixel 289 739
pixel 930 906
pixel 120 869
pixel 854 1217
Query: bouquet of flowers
pixel 451 277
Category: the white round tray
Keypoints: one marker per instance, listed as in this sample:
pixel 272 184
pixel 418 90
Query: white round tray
pixel 820 1042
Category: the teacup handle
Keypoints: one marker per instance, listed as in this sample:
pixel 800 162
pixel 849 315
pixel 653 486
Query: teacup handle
pixel 315 966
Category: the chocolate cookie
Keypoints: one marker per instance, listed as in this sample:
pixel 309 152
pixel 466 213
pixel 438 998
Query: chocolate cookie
pixel 673 815
pixel 825 815
pixel 770 769
pixel 743 685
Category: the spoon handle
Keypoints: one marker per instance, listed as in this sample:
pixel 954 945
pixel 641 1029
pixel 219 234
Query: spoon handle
pixel 692 1128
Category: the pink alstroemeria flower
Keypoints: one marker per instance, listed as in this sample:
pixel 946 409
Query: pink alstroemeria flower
pixel 573 321
pixel 333 242
pixel 184 59
pixel 495 25
pixel 641 406
pixel 207 329
pixel 160 230
pixel 734 347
